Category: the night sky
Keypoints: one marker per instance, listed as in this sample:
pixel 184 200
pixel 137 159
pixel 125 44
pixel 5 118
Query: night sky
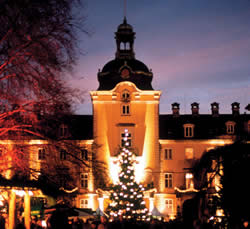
pixel 198 50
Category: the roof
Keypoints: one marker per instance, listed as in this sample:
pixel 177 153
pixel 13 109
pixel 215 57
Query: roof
pixel 139 74
pixel 205 126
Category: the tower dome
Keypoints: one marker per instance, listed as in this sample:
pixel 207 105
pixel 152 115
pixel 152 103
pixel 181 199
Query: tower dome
pixel 125 67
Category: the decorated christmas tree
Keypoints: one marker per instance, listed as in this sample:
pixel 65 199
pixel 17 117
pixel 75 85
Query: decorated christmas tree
pixel 127 195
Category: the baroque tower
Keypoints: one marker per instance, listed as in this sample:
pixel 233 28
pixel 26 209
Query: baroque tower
pixel 126 100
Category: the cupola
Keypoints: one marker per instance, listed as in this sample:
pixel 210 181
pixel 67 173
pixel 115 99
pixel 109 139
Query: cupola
pixel 125 41
pixel 125 67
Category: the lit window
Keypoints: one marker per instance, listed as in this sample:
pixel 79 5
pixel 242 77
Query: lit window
pixel 41 154
pixel 83 180
pixel 248 127
pixel 188 130
pixel 84 203
pixel 189 153
pixel 189 180
pixel 126 139
pixel 169 205
pixel 168 180
pixel 125 109
pixel 230 127
pixel 84 154
pixel 168 154
pixel 63 154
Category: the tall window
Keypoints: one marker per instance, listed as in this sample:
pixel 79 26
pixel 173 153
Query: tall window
pixel 126 138
pixel 125 109
pixel 188 130
pixel 63 154
pixel 83 180
pixel 189 180
pixel 230 127
pixel 168 180
pixel 84 203
pixel 41 154
pixel 168 154
pixel 84 154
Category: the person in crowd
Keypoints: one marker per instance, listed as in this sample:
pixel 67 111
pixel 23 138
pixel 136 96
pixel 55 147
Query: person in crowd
pixel 103 224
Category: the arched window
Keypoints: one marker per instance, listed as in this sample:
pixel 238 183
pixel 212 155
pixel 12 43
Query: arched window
pixel 230 125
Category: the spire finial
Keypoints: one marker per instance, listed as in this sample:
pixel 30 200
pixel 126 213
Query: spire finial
pixel 125 8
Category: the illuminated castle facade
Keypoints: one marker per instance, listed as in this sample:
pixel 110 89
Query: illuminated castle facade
pixel 166 146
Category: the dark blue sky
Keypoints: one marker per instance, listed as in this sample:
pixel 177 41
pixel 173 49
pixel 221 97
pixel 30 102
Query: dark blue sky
pixel 198 50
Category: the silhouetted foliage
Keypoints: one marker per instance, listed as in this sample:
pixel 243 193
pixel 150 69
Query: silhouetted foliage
pixel 38 48
pixel 38 45
pixel 231 164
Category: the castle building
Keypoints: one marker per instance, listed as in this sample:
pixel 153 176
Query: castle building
pixel 166 145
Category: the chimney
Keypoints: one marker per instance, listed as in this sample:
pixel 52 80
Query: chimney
pixel 235 108
pixel 176 109
pixel 215 109
pixel 195 108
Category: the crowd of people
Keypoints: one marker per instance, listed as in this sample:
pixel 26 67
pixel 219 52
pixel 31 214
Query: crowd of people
pixel 60 221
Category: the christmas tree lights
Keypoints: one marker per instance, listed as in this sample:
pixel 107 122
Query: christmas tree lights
pixel 127 195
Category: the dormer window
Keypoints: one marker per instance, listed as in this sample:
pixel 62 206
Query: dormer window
pixel 188 130
pixel 230 127
pixel 63 130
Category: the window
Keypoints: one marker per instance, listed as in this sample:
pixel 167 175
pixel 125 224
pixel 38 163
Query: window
pixel 84 154
pixel 41 154
pixel 84 203
pixel 248 127
pixel 168 180
pixel 125 109
pixel 168 154
pixel 126 139
pixel 189 153
pixel 63 130
pixel 230 127
pixel 125 95
pixel 169 205
pixel 188 130
pixel 84 180
pixel 189 180
pixel 63 154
